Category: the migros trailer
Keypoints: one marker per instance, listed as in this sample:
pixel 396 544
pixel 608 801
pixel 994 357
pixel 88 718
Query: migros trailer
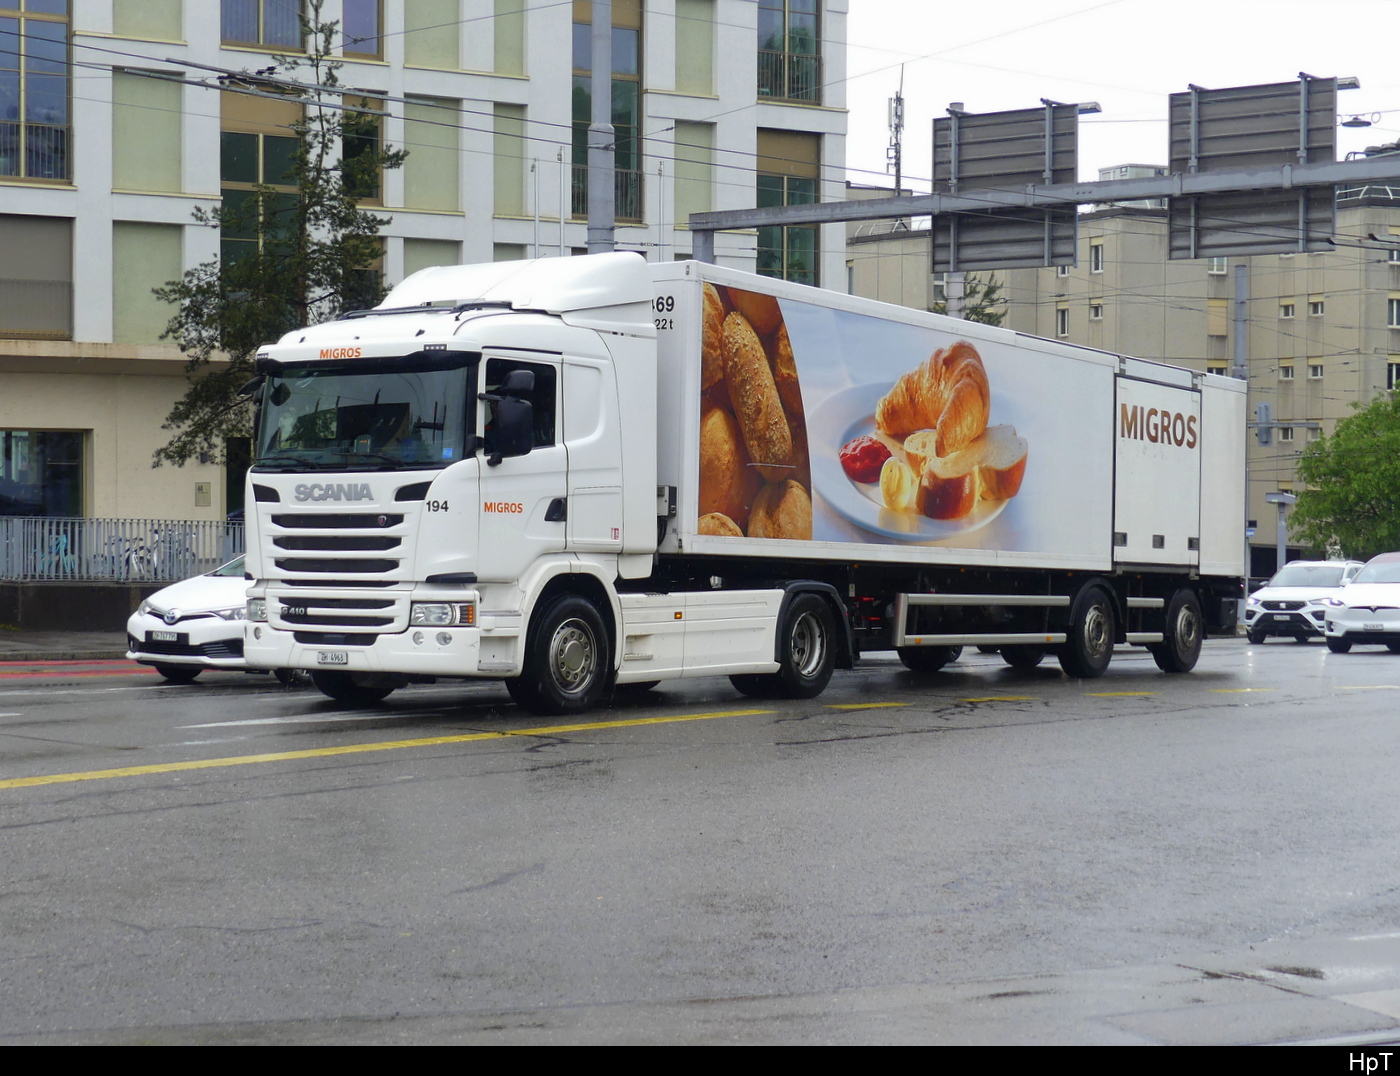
pixel 580 473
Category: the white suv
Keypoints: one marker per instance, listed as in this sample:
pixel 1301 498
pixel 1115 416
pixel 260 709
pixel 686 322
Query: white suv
pixel 1368 609
pixel 1294 602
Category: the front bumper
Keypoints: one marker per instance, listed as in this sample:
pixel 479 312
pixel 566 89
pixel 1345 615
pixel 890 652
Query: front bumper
pixel 455 651
pixel 1289 622
pixel 208 642
pixel 1364 625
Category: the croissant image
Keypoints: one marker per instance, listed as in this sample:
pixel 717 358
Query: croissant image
pixel 948 394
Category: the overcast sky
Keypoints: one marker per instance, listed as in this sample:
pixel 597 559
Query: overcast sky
pixel 1128 55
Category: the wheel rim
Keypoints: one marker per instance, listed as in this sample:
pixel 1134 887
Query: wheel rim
pixel 807 645
pixel 1097 628
pixel 573 656
pixel 1188 630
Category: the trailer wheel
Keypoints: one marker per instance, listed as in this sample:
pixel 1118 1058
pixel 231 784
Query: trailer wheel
pixel 179 674
pixel 568 663
pixel 355 688
pixel 1091 634
pixel 1023 656
pixel 1185 631
pixel 928 659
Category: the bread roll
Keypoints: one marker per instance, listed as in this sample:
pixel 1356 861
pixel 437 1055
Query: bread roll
pixel 720 525
pixel 782 510
pixel 711 356
pixel 761 311
pixel 728 483
pixel 948 394
pixel 785 372
pixel 990 468
pixel 754 396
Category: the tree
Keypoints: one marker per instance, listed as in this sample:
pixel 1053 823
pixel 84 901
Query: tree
pixel 1352 503
pixel 980 301
pixel 310 262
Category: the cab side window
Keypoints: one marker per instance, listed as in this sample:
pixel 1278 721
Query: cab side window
pixel 543 398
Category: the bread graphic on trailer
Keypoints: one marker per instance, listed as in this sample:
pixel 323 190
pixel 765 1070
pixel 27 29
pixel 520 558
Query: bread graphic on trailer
pixel 991 468
pixel 948 395
pixel 755 400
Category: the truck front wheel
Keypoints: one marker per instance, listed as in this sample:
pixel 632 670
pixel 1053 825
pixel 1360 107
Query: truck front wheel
pixel 1092 630
pixel 355 688
pixel 1185 629
pixel 807 639
pixel 568 662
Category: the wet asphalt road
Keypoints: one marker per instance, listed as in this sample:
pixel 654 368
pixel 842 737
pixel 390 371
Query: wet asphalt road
pixel 872 865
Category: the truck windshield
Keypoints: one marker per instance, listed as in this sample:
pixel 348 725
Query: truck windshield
pixel 377 415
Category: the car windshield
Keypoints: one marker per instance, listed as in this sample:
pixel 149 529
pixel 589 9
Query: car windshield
pixel 1386 571
pixel 367 415
pixel 233 569
pixel 1309 575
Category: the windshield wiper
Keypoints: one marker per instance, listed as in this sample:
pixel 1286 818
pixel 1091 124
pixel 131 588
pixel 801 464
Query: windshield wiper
pixel 302 461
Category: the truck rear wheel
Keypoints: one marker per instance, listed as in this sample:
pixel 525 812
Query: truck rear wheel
pixel 928 659
pixel 807 641
pixel 568 661
pixel 1092 631
pixel 1023 656
pixel 355 688
pixel 1184 632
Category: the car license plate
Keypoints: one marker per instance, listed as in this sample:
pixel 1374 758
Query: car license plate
pixel 332 657
pixel 164 636
pixel 1282 616
pixel 1373 627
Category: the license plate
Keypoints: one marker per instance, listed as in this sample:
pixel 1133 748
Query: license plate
pixel 1282 616
pixel 332 657
pixel 1373 627
pixel 164 636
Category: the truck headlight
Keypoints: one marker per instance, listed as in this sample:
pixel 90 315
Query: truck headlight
pixel 257 609
pixel 442 614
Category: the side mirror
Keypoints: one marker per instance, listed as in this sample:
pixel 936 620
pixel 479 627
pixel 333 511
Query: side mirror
pixel 253 389
pixel 515 428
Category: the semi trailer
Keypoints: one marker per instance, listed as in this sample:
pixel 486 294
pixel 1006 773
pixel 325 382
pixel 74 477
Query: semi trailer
pixel 579 474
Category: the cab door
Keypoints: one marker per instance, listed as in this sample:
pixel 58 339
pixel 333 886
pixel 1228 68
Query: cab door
pixel 523 507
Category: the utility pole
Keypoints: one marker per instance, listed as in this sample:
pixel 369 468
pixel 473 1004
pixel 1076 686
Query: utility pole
pixel 893 155
pixel 601 150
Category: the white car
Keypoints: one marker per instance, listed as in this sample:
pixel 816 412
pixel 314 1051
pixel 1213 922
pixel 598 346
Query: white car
pixel 194 625
pixel 1294 602
pixel 1368 608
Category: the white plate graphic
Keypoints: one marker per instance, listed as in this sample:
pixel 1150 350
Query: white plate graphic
pixel 849 414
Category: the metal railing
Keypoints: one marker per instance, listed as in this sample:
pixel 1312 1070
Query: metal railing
pixel 34 150
pixel 41 549
pixel 627 193
pixel 790 76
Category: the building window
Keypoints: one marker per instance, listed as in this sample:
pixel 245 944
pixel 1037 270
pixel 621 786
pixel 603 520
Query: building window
pixel 1316 307
pixel 360 24
pixel 262 22
pixel 1285 372
pixel 147 150
pixel 1315 370
pixel 789 50
pixel 258 147
pixel 430 39
pixel 1285 310
pixel 1393 312
pixel 1096 257
pixel 1314 433
pixel 789 171
pixel 695 46
pixel 626 109
pixel 359 147
pixel 1217 266
pixel 695 169
pixel 36 277
pixel 1095 312
pixel 1285 433
pixel 1392 374
pixel 1394 255
pixel 509 36
pixel 1062 321
pixel 430 172
pixel 1217 368
pixel 41 473
pixel 1062 270
pixel 510 150
pixel 34 128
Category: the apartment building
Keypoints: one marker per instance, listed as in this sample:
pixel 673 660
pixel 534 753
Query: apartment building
pixel 717 104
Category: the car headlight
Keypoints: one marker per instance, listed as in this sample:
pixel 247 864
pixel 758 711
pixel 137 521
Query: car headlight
pixel 442 614
pixel 1252 600
pixel 257 609
pixel 144 608
pixel 238 612
pixel 1335 603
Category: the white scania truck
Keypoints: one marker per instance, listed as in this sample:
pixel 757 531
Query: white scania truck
pixel 584 473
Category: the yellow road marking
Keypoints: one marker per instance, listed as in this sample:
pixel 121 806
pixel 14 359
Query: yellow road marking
pixel 1239 690
pixel 359 748
pixel 1118 694
pixel 862 705
pixel 1002 698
